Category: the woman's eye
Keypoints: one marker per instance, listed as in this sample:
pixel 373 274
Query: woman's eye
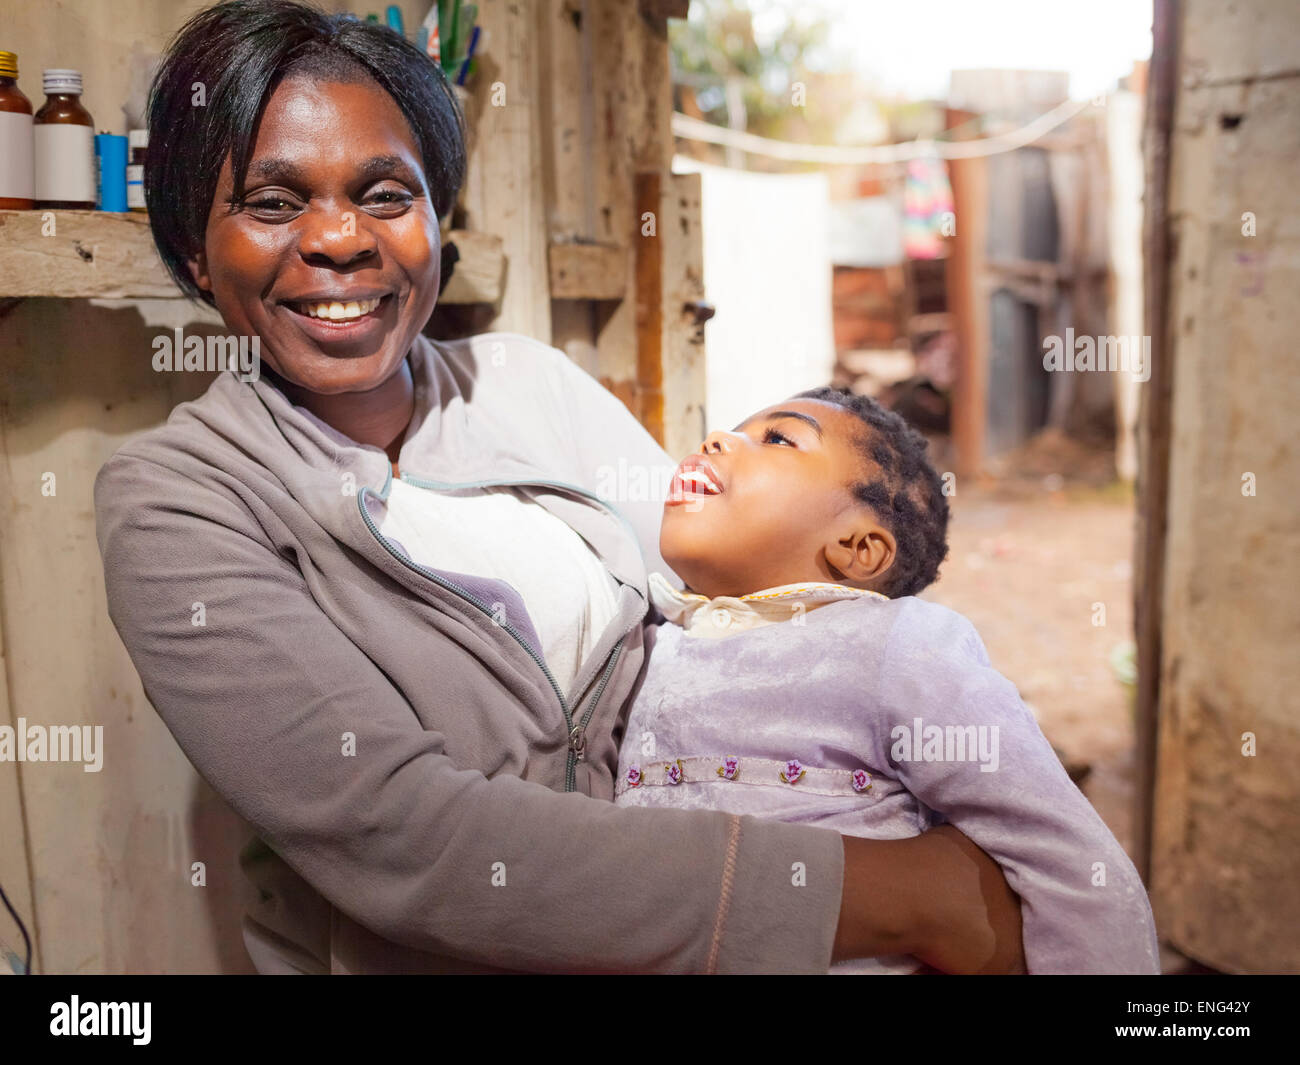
pixel 390 198
pixel 270 205
pixel 772 436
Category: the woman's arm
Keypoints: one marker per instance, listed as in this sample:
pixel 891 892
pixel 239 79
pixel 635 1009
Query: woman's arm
pixel 937 896
pixel 262 695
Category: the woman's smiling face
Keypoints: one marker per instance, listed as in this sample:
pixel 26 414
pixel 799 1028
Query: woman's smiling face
pixel 336 211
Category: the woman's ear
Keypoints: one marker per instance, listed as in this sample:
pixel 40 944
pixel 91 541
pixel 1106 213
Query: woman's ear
pixel 862 553
pixel 199 271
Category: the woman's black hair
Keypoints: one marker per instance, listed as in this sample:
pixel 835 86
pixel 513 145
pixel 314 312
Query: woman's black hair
pixel 213 85
pixel 900 487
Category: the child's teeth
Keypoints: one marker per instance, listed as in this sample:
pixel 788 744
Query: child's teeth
pixel 702 480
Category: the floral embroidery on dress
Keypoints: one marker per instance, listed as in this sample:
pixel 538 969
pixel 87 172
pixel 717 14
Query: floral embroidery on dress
pixel 793 771
pixel 729 768
pixel 634 776
pixel 861 780
pixel 673 771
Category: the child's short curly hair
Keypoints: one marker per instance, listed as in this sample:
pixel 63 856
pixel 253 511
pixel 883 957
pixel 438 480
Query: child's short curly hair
pixel 902 489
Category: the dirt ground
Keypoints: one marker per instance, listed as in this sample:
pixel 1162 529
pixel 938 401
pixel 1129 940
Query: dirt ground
pixel 1043 568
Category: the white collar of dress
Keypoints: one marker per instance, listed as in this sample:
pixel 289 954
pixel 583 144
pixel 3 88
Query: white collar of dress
pixel 724 615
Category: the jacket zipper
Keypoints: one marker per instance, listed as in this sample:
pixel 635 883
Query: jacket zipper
pixel 577 733
pixel 578 736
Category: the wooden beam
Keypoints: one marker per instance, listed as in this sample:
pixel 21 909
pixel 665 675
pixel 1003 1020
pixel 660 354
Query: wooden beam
pixel 662 9
pixel 506 188
pixel 683 377
pixel 1154 420
pixel 650 307
pixel 588 271
pixel 968 300
pixel 568 126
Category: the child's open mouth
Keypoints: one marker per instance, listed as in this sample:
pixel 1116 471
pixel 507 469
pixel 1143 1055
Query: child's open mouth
pixel 695 478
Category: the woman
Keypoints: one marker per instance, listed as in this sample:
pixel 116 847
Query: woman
pixel 375 596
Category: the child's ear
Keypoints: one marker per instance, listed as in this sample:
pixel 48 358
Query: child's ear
pixel 862 552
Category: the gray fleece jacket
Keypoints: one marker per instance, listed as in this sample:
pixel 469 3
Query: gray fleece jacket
pixel 422 796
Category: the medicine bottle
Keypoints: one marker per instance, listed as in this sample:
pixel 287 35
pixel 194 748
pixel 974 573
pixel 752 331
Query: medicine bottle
pixel 65 145
pixel 138 140
pixel 15 139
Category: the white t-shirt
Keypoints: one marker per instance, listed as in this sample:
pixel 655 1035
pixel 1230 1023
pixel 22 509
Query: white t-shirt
pixel 498 532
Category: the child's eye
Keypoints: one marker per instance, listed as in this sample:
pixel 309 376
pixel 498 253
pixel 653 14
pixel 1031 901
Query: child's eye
pixel 772 436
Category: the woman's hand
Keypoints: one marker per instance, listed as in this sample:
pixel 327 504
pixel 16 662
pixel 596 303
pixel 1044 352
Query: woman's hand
pixel 936 896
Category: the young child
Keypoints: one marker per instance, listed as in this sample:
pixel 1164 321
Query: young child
pixel 800 678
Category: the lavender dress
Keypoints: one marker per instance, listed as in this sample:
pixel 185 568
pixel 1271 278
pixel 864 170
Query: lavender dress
pixel 879 718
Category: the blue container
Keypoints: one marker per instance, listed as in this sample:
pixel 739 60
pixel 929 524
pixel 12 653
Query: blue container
pixel 110 170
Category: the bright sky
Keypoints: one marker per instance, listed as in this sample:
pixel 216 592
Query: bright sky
pixel 909 46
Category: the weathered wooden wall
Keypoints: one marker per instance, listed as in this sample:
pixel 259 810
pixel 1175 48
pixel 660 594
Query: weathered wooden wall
pixel 99 863
pixel 1226 853
pixel 569 178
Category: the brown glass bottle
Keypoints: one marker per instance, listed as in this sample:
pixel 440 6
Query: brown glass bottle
pixel 65 145
pixel 15 139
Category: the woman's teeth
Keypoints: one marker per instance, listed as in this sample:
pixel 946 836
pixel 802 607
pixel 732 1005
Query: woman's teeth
pixel 339 312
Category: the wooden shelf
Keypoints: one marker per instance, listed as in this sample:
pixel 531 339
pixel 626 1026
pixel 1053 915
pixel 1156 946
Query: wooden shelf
pixel 107 255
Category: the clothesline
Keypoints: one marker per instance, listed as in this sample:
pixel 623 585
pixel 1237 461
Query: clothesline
pixel 689 128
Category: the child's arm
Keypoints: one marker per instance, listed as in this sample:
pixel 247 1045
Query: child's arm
pixel 1083 905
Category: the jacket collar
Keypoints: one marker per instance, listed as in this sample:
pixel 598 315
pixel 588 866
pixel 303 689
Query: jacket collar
pixel 466 429
pixel 724 615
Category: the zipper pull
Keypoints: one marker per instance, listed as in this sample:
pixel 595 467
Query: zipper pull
pixel 578 742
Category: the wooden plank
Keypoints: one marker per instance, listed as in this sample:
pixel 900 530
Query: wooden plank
pixel 107 255
pixel 80 254
pixel 1154 421
pixel 568 110
pixel 506 191
pixel 671 382
pixel 15 868
pixel 618 92
pixel 683 378
pixel 479 272
pixel 588 271
pixel 650 306
pixel 662 9
pixel 968 300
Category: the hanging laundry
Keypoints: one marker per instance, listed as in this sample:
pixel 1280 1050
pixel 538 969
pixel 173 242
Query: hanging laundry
pixel 927 208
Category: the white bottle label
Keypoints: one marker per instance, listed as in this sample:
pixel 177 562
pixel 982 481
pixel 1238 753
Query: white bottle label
pixel 65 163
pixel 16 168
pixel 135 185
